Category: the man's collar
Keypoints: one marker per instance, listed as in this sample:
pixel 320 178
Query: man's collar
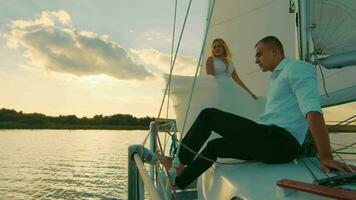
pixel 281 64
pixel 279 67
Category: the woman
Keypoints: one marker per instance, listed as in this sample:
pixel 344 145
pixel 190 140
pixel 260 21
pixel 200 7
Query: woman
pixel 222 68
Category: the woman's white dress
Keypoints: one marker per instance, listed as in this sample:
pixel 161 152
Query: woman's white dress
pixel 212 91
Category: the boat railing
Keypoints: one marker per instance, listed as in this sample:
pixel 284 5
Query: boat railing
pixel 138 176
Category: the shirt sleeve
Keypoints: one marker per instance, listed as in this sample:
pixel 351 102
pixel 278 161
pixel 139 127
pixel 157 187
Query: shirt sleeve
pixel 303 81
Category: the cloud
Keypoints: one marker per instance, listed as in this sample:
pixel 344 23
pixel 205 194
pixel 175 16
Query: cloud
pixel 153 35
pixel 49 41
pixel 160 62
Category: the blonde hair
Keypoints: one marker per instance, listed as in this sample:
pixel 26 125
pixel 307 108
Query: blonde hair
pixel 227 52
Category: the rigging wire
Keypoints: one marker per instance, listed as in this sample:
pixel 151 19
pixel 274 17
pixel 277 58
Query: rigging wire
pixel 201 156
pixel 322 74
pixel 174 59
pixel 171 66
pixel 210 13
pixel 344 162
pixel 340 124
pixel 171 69
pixel 318 166
pixel 172 48
pixel 345 147
pixel 324 84
pixel 168 89
pixel 310 171
pixel 165 168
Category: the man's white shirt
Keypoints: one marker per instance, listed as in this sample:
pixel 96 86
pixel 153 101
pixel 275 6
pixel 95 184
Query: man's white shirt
pixel 292 93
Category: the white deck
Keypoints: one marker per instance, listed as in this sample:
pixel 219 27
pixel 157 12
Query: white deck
pixel 256 180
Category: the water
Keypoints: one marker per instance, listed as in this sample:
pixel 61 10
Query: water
pixel 51 164
pixel 80 164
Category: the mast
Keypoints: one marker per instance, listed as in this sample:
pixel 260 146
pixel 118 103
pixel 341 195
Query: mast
pixel 304 29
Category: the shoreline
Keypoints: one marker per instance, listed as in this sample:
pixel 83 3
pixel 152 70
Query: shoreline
pixel 341 129
pixel 72 127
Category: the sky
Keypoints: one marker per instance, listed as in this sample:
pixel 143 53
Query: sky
pixel 97 57
pixel 87 57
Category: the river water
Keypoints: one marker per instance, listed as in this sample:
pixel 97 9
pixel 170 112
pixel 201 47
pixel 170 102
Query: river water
pixel 75 164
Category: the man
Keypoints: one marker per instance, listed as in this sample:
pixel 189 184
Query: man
pixel 292 104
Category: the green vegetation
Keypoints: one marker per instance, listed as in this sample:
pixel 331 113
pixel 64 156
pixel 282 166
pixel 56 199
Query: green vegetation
pixel 11 119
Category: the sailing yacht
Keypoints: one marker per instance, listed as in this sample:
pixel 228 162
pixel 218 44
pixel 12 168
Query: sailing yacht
pixel 322 32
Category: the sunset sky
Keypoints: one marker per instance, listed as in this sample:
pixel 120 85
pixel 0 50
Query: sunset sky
pixel 97 57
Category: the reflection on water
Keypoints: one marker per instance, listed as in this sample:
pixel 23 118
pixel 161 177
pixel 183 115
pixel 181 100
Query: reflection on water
pixel 80 164
pixel 51 164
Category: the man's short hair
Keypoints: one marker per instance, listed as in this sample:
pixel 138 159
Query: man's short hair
pixel 273 41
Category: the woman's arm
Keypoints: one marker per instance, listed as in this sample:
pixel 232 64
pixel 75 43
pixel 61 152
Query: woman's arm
pixel 210 66
pixel 237 79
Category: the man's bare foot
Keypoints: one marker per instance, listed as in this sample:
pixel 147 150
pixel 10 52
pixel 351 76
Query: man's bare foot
pixel 167 162
pixel 180 169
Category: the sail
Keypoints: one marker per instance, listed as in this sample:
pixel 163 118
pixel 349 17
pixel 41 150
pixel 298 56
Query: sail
pixel 333 31
pixel 333 26
pixel 241 24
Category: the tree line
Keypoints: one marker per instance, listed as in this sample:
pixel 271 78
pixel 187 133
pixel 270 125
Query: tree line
pixel 11 119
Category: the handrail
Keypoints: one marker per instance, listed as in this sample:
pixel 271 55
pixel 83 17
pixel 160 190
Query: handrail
pixel 145 177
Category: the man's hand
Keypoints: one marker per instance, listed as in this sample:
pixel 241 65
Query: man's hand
pixel 322 142
pixel 327 165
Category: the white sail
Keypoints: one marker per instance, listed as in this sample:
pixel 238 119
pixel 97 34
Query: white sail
pixel 332 26
pixel 241 24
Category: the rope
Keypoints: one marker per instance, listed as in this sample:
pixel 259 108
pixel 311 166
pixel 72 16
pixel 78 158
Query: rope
pixel 345 147
pixel 171 64
pixel 164 166
pixel 196 72
pixel 344 162
pixel 350 153
pixel 201 156
pixel 172 48
pixel 310 171
pixel 175 57
pixel 171 69
pixel 324 84
pixel 160 183
pixel 173 149
pixel 168 89
pixel 340 124
pixel 318 165
pixel 145 139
